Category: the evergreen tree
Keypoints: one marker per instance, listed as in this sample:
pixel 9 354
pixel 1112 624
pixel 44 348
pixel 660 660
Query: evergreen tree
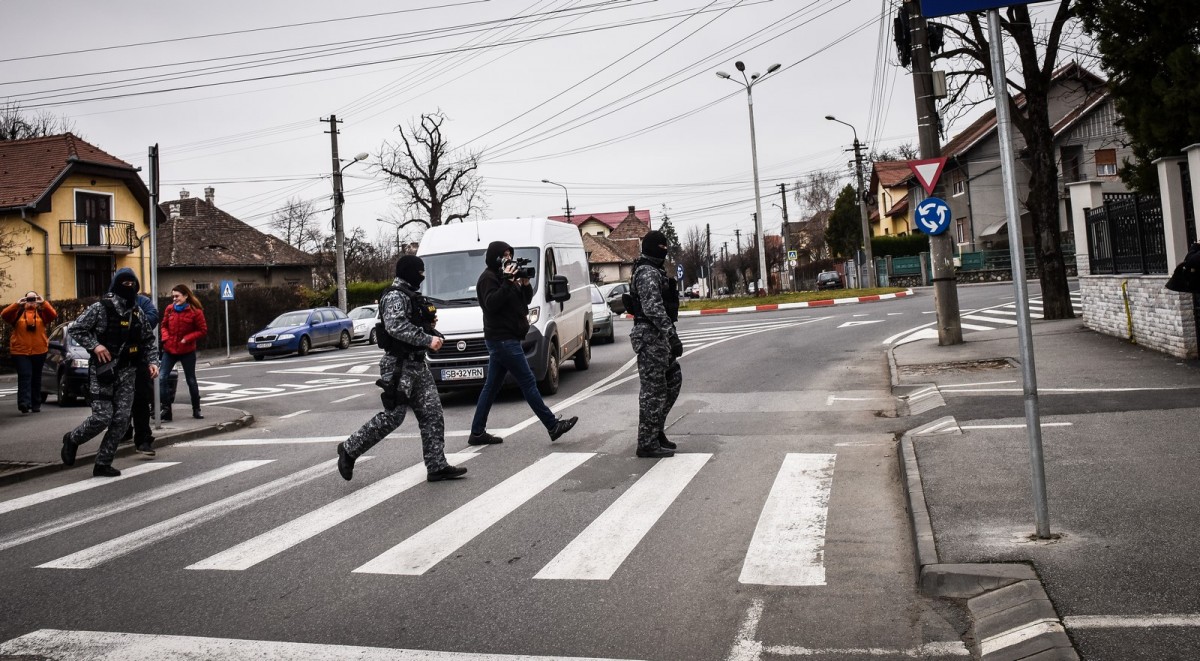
pixel 844 234
pixel 668 230
pixel 1151 52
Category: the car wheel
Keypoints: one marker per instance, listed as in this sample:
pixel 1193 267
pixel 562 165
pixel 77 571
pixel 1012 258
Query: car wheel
pixel 373 338
pixel 583 357
pixel 260 357
pixel 64 396
pixel 305 345
pixel 345 343
pixel 549 384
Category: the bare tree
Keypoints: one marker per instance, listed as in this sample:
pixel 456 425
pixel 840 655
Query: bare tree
pixel 437 184
pixel 816 196
pixel 691 254
pixel 18 125
pixel 1033 62
pixel 296 223
pixel 8 252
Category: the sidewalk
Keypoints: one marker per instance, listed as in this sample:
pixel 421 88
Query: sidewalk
pixel 1119 439
pixel 30 444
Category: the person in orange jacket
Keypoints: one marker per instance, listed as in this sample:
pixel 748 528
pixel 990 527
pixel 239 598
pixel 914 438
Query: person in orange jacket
pixel 183 325
pixel 30 316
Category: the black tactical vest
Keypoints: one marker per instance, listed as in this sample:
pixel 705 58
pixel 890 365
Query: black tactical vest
pixel 122 332
pixel 420 313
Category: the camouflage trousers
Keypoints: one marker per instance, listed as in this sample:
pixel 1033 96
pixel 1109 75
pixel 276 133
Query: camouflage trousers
pixel 418 393
pixel 111 406
pixel 661 378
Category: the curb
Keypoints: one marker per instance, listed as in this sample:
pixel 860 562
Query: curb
pixel 125 448
pixel 1012 617
pixel 829 302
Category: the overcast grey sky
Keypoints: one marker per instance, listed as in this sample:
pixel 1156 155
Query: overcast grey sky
pixel 616 99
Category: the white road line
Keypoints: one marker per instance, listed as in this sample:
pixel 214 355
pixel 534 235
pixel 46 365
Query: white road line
pixel 976 327
pixel 1072 390
pixel 294 440
pixel 991 320
pixel 346 399
pixel 1021 426
pixel 1131 621
pixel 788 547
pixel 126 544
pixel 75 487
pixel 292 415
pixel 60 645
pixel 359 369
pixel 1018 635
pixel 946 425
pixel 271 543
pixel 91 514
pixel 419 553
pixel 601 548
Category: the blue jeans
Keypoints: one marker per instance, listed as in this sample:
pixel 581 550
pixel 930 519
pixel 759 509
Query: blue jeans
pixel 29 380
pixel 188 360
pixel 505 356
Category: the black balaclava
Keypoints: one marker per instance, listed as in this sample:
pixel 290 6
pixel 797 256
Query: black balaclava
pixel 411 269
pixel 655 245
pixel 495 252
pixel 127 294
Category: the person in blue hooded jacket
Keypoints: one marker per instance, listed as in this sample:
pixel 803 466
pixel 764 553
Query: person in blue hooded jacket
pixel 118 339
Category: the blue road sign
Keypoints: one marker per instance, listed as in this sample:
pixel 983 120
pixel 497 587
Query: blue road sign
pixel 679 271
pixel 227 290
pixel 933 216
pixel 932 8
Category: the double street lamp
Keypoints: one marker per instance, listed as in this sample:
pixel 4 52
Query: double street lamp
pixel 339 234
pixel 565 192
pixel 748 83
pixel 872 281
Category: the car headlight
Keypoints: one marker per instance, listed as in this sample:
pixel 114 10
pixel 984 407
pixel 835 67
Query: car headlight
pixel 79 362
pixel 286 336
pixel 534 314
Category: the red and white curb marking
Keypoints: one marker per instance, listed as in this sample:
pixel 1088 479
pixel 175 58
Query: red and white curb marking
pixel 790 306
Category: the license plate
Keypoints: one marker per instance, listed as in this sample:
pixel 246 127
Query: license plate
pixel 462 373
pixel 263 345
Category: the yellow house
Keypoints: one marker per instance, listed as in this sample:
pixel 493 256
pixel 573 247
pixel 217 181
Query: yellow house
pixel 73 214
pixel 887 199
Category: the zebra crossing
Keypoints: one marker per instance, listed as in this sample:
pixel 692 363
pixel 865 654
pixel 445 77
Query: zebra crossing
pixel 786 548
pixel 983 319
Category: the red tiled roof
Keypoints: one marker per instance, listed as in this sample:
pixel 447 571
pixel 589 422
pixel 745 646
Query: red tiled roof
pixel 203 235
pixel 890 173
pixel 602 251
pixel 29 169
pixel 610 218
pixel 900 208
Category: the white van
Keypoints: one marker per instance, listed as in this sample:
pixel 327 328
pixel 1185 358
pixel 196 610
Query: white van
pixel 560 315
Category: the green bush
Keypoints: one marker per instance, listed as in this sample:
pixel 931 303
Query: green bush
pixel 357 293
pixel 899 246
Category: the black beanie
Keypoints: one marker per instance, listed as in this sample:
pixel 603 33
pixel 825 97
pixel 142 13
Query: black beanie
pixel 410 269
pixel 655 244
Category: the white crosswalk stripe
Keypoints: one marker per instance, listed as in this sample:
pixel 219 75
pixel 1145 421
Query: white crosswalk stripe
pixel 1000 316
pixel 788 547
pixel 83 485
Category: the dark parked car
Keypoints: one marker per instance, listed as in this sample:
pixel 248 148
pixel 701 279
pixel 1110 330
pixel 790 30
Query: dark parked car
pixel 829 280
pixel 301 330
pixel 612 295
pixel 66 369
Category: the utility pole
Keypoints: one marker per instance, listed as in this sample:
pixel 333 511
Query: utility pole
pixel 339 235
pixel 868 253
pixel 708 262
pixel 153 154
pixel 737 234
pixel 786 234
pixel 941 247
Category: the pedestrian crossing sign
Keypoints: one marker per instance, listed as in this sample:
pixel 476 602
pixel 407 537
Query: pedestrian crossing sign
pixel 227 290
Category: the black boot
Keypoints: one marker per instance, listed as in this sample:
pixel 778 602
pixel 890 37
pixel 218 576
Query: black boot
pixel 165 414
pixel 655 453
pixel 196 413
pixel 663 442
pixel 447 473
pixel 103 470
pixel 562 426
pixel 68 450
pixel 345 462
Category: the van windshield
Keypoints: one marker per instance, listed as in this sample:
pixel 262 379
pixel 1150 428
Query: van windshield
pixel 450 277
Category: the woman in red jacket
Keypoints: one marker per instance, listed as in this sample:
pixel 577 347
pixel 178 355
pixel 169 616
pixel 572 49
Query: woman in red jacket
pixel 30 317
pixel 183 325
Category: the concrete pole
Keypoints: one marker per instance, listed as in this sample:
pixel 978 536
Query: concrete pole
pixel 339 234
pixel 758 216
pixel 872 280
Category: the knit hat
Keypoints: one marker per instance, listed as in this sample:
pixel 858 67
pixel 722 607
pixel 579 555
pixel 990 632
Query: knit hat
pixel 655 244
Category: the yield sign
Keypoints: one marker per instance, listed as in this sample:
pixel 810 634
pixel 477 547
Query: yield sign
pixel 927 172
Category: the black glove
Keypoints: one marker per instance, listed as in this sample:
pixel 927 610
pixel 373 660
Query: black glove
pixel 676 346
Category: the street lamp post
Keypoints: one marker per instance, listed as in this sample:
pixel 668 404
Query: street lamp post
pixel 339 234
pixel 565 192
pixel 748 83
pixel 787 263
pixel 872 281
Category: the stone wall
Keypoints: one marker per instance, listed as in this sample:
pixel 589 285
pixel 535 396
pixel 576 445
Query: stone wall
pixel 1162 320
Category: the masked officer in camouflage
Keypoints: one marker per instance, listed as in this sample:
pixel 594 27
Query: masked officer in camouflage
pixel 655 307
pixel 119 341
pixel 406 332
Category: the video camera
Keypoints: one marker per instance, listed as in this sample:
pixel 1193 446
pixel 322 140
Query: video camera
pixel 523 270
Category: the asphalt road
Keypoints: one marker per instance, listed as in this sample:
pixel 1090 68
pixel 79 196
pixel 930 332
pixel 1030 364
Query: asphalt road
pixel 777 531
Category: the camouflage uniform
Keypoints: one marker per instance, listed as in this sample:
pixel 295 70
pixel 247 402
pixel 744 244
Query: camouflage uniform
pixel 651 337
pixel 416 389
pixel 112 394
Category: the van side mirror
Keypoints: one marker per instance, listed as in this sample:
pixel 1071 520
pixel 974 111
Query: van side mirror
pixel 558 288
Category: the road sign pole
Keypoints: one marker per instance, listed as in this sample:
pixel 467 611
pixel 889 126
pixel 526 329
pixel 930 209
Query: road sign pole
pixel 227 349
pixel 1016 248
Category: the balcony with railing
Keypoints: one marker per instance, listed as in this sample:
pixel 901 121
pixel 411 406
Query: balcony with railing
pixel 90 236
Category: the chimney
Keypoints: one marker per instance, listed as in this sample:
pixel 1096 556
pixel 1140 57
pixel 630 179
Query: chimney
pixel 210 194
pixel 173 210
pixel 631 210
pixel 183 195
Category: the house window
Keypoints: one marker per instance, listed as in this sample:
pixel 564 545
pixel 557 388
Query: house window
pixel 1071 157
pixel 93 275
pixel 960 230
pixel 203 286
pixel 960 186
pixel 1106 162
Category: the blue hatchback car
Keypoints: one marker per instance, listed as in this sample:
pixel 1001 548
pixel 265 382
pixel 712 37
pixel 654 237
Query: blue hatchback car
pixel 302 330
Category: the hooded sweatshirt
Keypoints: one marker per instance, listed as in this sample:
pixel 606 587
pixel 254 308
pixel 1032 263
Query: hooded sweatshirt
pixel 505 303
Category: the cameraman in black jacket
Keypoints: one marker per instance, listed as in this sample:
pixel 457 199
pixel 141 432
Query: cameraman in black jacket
pixel 504 297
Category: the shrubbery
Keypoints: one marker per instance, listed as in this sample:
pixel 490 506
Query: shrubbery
pixel 899 246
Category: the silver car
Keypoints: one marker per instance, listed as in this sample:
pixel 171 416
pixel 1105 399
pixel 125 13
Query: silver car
pixel 602 318
pixel 365 317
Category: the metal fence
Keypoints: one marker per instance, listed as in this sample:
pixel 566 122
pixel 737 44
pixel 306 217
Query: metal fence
pixel 984 260
pixel 1126 235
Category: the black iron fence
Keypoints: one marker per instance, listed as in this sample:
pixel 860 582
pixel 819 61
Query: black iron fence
pixel 1126 235
pixel 95 236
